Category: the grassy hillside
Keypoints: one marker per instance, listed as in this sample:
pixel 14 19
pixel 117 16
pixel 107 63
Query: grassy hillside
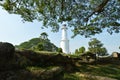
pixel 38 44
pixel 30 65
pixel 39 66
pixel 96 72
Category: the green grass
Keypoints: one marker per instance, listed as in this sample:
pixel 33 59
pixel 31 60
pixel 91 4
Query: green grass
pixel 32 68
pixel 88 70
pixel 108 70
pixel 70 77
pixel 81 71
pixel 74 76
pixel 46 52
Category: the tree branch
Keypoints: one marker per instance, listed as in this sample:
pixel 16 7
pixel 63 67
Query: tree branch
pixel 98 9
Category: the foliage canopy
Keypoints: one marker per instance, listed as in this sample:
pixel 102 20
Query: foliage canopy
pixel 81 50
pixel 96 47
pixel 44 35
pixel 87 17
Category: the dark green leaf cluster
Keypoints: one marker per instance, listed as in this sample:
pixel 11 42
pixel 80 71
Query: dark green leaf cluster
pixel 81 50
pixel 60 50
pixel 87 17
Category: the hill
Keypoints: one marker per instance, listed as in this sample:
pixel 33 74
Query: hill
pixel 38 44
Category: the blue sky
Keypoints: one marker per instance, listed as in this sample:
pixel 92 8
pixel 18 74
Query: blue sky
pixel 13 30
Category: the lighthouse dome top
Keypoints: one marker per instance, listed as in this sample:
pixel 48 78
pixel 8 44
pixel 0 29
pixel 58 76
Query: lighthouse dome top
pixel 64 26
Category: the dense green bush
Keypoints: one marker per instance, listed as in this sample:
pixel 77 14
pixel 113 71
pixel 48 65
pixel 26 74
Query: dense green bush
pixel 59 50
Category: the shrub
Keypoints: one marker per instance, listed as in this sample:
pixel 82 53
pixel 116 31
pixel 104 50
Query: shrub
pixel 6 51
pixel 60 50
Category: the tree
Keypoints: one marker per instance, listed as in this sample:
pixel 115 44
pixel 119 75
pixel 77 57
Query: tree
pixel 96 47
pixel 60 50
pixel 44 35
pixel 76 51
pixel 87 17
pixel 103 51
pixel 82 49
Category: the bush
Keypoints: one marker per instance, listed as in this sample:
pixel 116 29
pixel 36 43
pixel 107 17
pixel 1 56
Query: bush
pixel 60 50
pixel 6 51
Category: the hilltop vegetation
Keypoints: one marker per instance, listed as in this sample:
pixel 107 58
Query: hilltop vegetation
pixel 95 47
pixel 38 44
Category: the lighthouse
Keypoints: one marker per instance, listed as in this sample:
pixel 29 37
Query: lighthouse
pixel 64 41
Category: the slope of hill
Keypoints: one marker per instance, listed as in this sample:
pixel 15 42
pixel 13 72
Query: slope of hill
pixel 30 65
pixel 38 44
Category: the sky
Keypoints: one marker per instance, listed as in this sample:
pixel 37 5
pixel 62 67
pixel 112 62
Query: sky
pixel 14 31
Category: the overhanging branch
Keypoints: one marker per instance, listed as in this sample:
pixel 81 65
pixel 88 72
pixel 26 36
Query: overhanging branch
pixel 98 9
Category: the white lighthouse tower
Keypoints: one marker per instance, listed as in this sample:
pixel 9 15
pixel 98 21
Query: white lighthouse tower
pixel 64 41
